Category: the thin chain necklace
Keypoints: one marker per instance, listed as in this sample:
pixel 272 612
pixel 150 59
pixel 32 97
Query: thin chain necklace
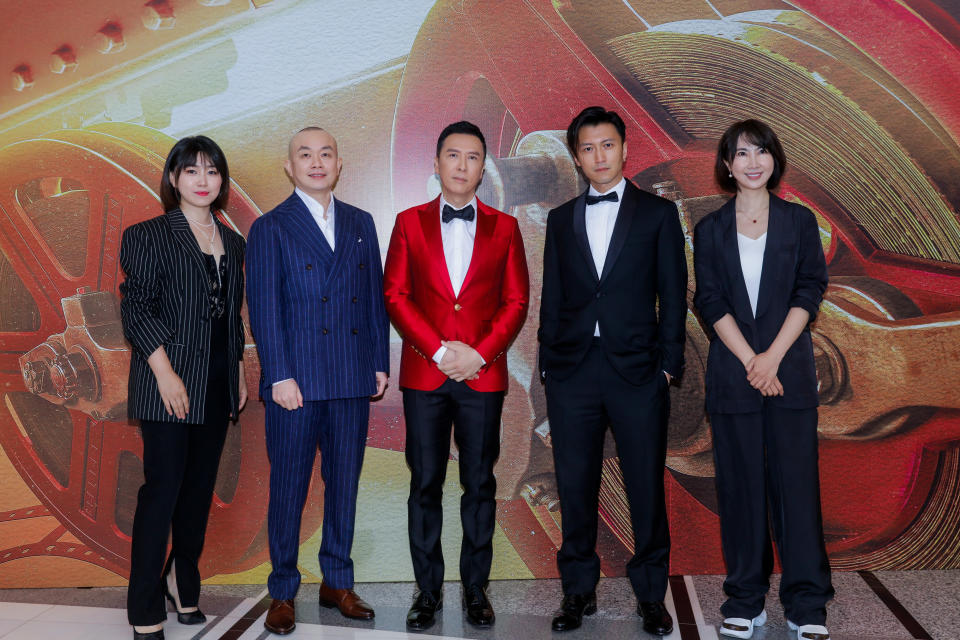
pixel 213 230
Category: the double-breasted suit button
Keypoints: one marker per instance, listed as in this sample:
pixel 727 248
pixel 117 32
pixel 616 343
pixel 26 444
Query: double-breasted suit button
pixel 326 331
pixel 308 267
pixel 354 300
pixel 323 299
pixel 354 331
pixel 361 266
pixel 457 307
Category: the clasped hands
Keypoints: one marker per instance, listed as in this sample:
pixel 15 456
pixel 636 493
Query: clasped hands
pixel 460 362
pixel 762 374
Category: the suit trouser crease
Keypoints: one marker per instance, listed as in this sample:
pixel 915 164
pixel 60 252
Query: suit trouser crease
pixel 580 408
pixel 475 419
pixel 767 478
pixel 180 463
pixel 338 429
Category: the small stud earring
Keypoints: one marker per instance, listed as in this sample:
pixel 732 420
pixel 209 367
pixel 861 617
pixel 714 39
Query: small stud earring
pixel 729 175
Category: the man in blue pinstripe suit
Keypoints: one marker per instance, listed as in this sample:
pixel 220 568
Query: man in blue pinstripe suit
pixel 314 291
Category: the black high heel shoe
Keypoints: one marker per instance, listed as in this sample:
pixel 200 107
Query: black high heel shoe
pixel 149 635
pixel 190 617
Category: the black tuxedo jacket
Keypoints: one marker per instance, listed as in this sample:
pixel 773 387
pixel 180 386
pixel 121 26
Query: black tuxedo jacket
pixel 794 274
pixel 645 265
pixel 166 303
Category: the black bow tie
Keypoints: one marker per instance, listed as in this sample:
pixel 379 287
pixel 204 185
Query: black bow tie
pixel 449 213
pixel 607 197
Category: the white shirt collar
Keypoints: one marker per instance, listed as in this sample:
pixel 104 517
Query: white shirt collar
pixel 620 188
pixel 472 202
pixel 315 208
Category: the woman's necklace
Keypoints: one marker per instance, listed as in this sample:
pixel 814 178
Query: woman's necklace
pixel 753 217
pixel 213 231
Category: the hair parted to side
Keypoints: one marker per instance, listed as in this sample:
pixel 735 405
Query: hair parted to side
pixel 185 153
pixel 757 133
pixel 462 126
pixel 590 117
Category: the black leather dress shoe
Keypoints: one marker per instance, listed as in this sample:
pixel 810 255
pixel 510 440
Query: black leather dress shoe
pixel 423 613
pixel 150 635
pixel 477 606
pixel 656 618
pixel 572 609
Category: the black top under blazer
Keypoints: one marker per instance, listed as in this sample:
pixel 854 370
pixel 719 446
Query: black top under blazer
pixel 794 274
pixel 166 302
pixel 645 266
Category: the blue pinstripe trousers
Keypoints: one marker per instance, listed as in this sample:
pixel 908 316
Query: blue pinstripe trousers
pixel 338 428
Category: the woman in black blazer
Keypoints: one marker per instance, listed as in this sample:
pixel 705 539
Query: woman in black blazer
pixel 181 313
pixel 761 275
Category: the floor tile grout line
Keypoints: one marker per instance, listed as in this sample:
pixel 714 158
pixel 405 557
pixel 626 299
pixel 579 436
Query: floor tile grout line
pixel 686 621
pixel 911 624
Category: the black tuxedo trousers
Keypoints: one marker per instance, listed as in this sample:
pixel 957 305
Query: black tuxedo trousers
pixel 581 407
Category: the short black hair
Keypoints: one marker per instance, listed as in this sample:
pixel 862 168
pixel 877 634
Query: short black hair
pixel 461 127
pixel 590 117
pixel 185 154
pixel 757 133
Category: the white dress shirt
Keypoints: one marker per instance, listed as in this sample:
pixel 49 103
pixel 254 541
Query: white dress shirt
pixel 751 263
pixel 323 218
pixel 600 220
pixel 457 236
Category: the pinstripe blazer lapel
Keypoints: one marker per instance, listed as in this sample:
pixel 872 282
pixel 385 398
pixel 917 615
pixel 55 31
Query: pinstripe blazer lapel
pixel 306 231
pixel 181 232
pixel 347 236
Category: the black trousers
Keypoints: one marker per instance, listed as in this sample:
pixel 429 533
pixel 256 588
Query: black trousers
pixel 180 464
pixel 767 476
pixel 580 408
pixel 475 417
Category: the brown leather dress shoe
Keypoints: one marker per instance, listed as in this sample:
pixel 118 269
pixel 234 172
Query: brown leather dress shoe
pixel 347 601
pixel 281 618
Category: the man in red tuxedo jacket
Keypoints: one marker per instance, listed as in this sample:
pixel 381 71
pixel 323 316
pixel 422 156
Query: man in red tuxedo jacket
pixel 456 288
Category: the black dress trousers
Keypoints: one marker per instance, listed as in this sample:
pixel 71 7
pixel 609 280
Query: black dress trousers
pixel 475 418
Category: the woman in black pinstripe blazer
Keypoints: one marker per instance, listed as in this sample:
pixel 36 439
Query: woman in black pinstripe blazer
pixel 181 313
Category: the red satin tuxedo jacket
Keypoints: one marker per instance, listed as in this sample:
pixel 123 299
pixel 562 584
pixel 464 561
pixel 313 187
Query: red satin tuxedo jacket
pixel 487 314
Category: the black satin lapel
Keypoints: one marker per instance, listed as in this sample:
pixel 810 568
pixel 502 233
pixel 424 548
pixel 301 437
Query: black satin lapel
pixel 580 231
pixel 770 277
pixel 731 256
pixel 621 229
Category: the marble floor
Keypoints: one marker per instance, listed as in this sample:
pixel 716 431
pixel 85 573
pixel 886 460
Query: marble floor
pixel 874 606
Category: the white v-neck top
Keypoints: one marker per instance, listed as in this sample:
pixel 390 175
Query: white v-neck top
pixel 751 263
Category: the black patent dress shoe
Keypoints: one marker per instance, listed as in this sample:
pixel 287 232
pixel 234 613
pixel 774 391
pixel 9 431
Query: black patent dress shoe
pixel 574 606
pixel 656 618
pixel 150 635
pixel 477 607
pixel 423 613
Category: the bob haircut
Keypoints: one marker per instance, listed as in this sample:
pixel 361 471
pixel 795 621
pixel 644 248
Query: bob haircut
pixel 591 117
pixel 755 132
pixel 463 126
pixel 185 154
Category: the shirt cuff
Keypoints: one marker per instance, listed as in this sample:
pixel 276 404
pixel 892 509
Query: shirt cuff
pixel 279 381
pixel 438 356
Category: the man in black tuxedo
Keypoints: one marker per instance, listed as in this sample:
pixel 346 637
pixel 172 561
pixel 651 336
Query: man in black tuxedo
pixel 612 316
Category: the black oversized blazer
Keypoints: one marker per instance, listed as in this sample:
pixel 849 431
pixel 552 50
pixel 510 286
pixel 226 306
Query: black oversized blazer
pixel 166 302
pixel 794 274
pixel 640 299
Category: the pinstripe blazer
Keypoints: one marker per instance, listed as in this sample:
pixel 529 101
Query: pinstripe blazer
pixel 317 315
pixel 166 302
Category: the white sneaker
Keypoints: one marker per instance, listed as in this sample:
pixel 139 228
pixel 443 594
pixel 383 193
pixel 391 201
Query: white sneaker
pixel 742 627
pixel 809 631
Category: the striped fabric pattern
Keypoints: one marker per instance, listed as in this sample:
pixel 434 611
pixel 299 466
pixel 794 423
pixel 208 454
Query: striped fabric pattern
pixel 317 315
pixel 165 302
